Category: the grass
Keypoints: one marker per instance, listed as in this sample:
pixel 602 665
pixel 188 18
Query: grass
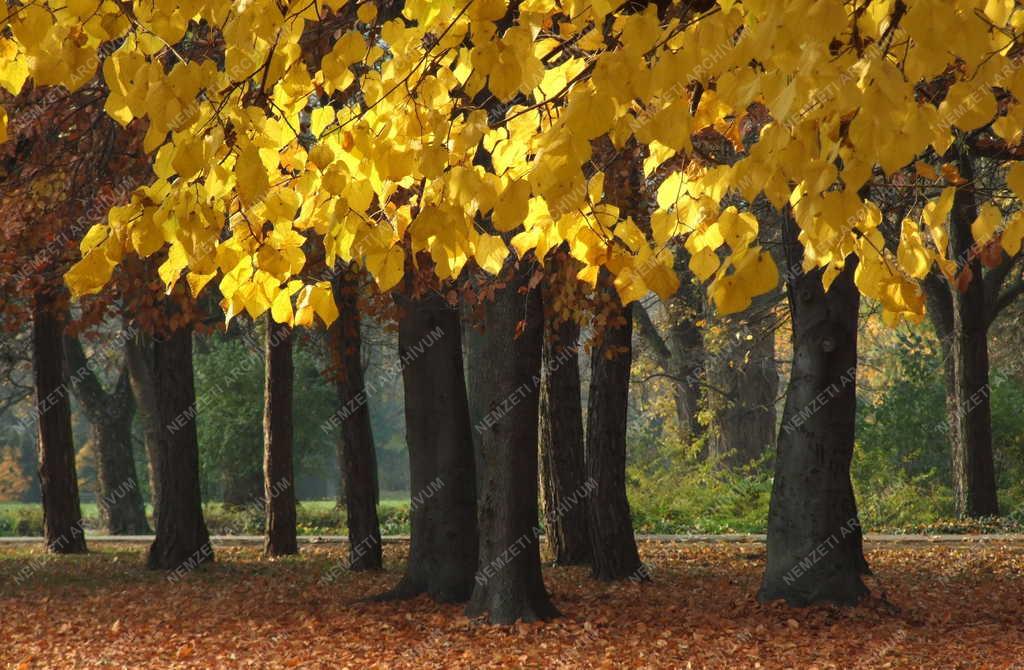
pixel 315 517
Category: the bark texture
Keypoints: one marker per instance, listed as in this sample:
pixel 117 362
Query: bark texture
pixel 110 413
pixel 612 545
pixel 815 550
pixel 357 455
pixel 562 463
pixel 278 439
pixel 442 470
pixel 505 376
pixel 182 539
pixel 58 480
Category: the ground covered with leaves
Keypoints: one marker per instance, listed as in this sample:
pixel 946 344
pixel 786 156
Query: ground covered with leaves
pixel 949 606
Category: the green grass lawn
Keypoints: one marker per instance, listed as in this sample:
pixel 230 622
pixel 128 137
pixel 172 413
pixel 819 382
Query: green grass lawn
pixel 315 517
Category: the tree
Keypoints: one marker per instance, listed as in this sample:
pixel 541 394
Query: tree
pixel 391 165
pixel 138 353
pixel 962 315
pixel 562 465
pixel 278 439
pixel 62 515
pixel 505 373
pixel 612 546
pixel 815 549
pixel 121 509
pixel 680 353
pixel 181 534
pixel 357 452
pixel 443 542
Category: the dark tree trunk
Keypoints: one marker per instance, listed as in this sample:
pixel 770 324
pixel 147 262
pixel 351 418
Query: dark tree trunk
pixel 182 540
pixel 562 464
pixel 119 499
pixel 357 455
pixel 815 550
pixel 442 470
pixel 58 481
pixel 279 475
pixel 506 377
pixel 139 359
pixel 968 403
pixel 612 545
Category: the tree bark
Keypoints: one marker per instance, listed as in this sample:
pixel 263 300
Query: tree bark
pixel 506 376
pixel 58 481
pixel 442 470
pixel 562 464
pixel 357 455
pixel 119 499
pixel 815 550
pixel 612 545
pixel 139 359
pixel 968 403
pixel 182 539
pixel 278 438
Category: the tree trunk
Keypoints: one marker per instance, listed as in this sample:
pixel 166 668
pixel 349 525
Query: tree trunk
pixel 968 403
pixel 139 359
pixel 357 455
pixel 562 464
pixel 182 540
pixel 743 382
pixel 120 504
pixel 58 481
pixel 814 547
pixel 442 470
pixel 685 344
pixel 611 529
pixel 279 475
pixel 506 375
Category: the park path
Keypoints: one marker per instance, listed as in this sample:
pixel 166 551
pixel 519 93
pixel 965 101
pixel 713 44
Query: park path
pixel 727 538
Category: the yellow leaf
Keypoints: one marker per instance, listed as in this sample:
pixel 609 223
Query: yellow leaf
pixel 253 182
pixel 704 263
pixel 281 309
pixel 513 206
pixel 985 226
pixel 90 274
pixel 490 253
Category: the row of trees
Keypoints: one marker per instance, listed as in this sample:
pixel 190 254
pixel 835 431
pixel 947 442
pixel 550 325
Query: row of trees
pixel 504 171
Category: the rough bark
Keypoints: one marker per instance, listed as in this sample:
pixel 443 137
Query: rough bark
pixel 278 438
pixel 357 455
pixel 442 469
pixel 110 414
pixel 612 545
pixel 814 548
pixel 968 393
pixel 58 481
pixel 505 376
pixel 182 538
pixel 562 464
pixel 139 359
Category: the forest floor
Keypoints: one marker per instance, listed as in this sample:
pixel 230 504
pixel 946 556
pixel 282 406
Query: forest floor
pixel 945 605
